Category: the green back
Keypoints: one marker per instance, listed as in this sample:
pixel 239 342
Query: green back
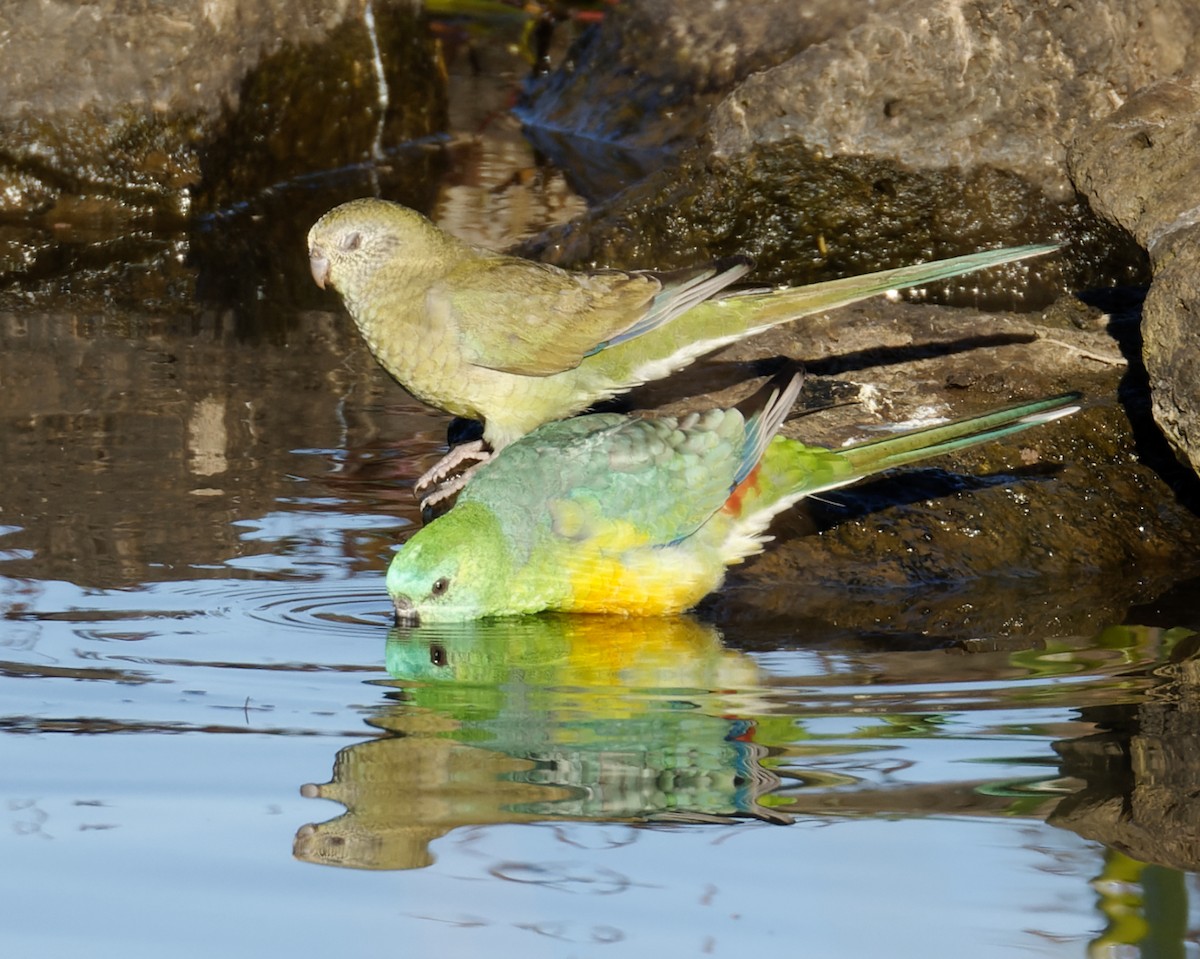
pixel 582 477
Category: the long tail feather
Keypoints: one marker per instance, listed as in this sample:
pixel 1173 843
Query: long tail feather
pixel 781 305
pixel 791 470
pixel 718 322
pixel 874 456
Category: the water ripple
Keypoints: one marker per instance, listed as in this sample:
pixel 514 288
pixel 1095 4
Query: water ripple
pixel 344 607
pixel 324 610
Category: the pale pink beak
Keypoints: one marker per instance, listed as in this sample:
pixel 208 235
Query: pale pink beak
pixel 318 262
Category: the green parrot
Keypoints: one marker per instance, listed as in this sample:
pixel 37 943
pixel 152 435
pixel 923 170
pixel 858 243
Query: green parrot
pixel 516 343
pixel 610 514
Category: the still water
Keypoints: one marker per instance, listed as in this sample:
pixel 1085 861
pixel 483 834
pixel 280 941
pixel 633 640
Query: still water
pixel 213 742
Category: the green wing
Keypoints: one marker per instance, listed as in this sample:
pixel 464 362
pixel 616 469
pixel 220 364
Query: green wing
pixel 584 477
pixel 534 319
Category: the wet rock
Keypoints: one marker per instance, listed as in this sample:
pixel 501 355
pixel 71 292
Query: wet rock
pixel 1003 83
pixel 139 136
pixel 804 218
pixel 147 108
pixel 962 84
pixel 1138 167
pixel 648 79
pixel 912 130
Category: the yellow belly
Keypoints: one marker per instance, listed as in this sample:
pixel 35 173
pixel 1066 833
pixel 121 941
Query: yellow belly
pixel 640 582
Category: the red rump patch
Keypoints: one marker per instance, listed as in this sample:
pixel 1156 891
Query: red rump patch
pixel 733 503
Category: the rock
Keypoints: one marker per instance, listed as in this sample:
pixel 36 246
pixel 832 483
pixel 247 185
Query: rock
pixel 1138 167
pixel 1003 83
pixel 145 108
pixel 648 79
pixel 961 83
pixel 804 219
pixel 1171 332
pixel 1068 504
pixel 140 135
pixel 1137 164
pixel 909 131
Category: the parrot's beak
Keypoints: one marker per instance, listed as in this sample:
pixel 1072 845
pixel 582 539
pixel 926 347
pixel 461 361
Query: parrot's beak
pixel 406 613
pixel 318 262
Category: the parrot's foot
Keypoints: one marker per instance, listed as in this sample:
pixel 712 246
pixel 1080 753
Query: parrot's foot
pixel 446 491
pixel 438 476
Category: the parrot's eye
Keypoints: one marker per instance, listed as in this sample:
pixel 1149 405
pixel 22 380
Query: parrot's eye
pixel 351 242
pixel 439 586
pixel 437 654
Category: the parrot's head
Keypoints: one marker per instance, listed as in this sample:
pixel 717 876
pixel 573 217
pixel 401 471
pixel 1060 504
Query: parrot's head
pixel 352 241
pixel 455 569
